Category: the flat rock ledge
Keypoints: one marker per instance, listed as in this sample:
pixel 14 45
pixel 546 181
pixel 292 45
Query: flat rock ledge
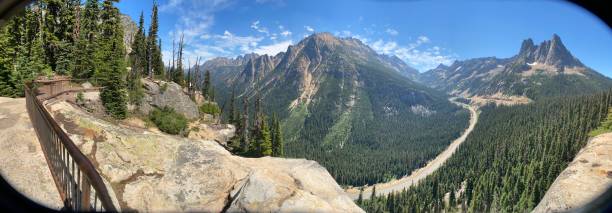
pixel 22 161
pixel 585 178
pixel 149 171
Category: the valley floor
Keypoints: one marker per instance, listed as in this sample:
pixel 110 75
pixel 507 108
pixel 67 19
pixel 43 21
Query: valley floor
pixel 420 174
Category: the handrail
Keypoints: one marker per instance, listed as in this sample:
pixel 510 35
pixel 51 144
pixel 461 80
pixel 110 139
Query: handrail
pixel 73 173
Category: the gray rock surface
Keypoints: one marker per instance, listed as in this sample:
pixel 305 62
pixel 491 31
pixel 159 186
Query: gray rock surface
pixel 585 178
pixel 220 133
pixel 171 95
pixel 22 162
pixel 157 172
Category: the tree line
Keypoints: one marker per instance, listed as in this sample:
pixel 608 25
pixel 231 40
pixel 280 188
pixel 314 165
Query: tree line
pixel 256 137
pixel 508 162
pixel 64 37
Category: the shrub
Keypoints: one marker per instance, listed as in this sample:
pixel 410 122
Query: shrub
pixel 163 87
pixel 210 108
pixel 168 121
pixel 80 100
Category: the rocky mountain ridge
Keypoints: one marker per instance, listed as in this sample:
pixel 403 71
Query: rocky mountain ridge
pixel 329 91
pixel 537 71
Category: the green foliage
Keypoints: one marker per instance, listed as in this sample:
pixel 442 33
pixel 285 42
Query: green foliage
pixel 138 64
pixel 210 108
pixel 207 90
pixel 263 141
pixel 112 63
pixel 604 127
pixel 154 56
pixel 168 121
pixel 377 137
pixel 163 87
pixel 510 159
pixel 278 146
pixel 21 53
pixel 80 99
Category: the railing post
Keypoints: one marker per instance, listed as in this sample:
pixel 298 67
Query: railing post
pixel 85 194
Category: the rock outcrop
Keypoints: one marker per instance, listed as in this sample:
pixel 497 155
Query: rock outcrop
pixel 22 162
pixel 221 133
pixel 161 94
pixel 585 178
pixel 158 172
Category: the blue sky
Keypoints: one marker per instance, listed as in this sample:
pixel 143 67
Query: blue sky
pixel 422 33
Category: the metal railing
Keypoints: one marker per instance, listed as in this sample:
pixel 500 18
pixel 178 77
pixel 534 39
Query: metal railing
pixel 79 184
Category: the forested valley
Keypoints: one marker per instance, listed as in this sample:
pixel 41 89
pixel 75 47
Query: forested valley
pixel 508 162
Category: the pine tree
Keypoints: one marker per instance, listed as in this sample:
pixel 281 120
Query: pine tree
pixel 373 196
pixel 179 74
pixel 138 56
pixel 264 141
pixel 360 198
pixel 244 142
pixel 277 138
pixel 232 108
pixel 87 45
pixel 155 65
pixel 138 64
pixel 206 85
pixel 112 65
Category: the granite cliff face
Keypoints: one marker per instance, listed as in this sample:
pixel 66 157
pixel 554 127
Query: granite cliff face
pixel 149 171
pixel 129 30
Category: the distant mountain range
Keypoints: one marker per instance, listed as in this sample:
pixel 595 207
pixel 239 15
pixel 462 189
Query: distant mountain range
pixel 338 97
pixel 537 71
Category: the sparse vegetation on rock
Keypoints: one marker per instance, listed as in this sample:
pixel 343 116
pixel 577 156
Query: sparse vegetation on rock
pixel 168 121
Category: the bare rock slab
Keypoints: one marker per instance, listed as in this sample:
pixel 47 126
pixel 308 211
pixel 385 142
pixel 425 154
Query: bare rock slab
pixel 585 178
pixel 151 171
pixel 22 162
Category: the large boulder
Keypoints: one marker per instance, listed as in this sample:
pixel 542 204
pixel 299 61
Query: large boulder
pixel 221 133
pixel 161 94
pixel 150 171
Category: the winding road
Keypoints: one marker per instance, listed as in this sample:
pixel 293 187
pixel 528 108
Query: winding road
pixel 421 173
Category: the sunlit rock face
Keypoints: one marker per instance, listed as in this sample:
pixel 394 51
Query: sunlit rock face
pixel 586 177
pixel 149 171
pixel 161 94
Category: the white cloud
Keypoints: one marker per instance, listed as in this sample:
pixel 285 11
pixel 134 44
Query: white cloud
pixel 392 31
pixel 384 47
pixel 255 26
pixel 195 17
pixel 232 42
pixel 286 33
pixel 414 54
pixel 349 34
pixel 273 49
pixel 309 29
pixel 422 39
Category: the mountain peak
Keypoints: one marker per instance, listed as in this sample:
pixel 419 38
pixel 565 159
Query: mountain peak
pixel 527 45
pixel 322 36
pixel 556 38
pixel 549 52
pixel 554 53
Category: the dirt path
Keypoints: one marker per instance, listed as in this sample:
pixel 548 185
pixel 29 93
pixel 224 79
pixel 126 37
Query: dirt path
pixel 421 173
